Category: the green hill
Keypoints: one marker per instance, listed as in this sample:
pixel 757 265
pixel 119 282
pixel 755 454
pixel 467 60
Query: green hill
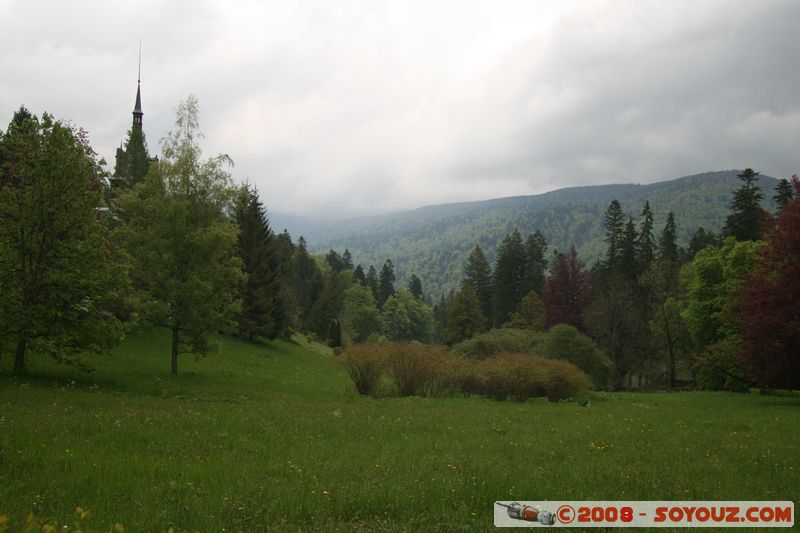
pixel 434 241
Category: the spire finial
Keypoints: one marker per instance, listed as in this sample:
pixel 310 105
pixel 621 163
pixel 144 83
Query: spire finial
pixel 139 78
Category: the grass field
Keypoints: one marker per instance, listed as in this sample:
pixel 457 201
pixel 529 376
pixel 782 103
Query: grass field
pixel 274 436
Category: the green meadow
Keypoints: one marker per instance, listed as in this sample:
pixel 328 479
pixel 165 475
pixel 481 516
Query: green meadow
pixel 272 436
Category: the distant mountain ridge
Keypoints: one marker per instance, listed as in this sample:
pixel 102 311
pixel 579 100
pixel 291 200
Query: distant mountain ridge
pixel 434 241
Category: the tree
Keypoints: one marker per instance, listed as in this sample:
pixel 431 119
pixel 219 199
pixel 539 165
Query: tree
pixel 769 304
pixel 744 222
pixel 328 306
pixel 60 273
pixel 360 316
pixel 334 260
pixel 406 319
pixel 181 240
pixel 478 273
pixel 256 248
pixel 372 282
pixel 668 243
pixel 285 312
pixel 701 239
pixel 628 263
pixel 647 243
pixel 386 283
pixel 415 286
pixel 535 251
pixel 358 276
pixel 308 279
pixel 464 317
pixel 347 260
pixel 530 314
pixel 614 225
pixel 567 291
pixel 509 277
pixel 783 194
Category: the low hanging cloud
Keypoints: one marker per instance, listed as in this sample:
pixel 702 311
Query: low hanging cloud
pixel 358 107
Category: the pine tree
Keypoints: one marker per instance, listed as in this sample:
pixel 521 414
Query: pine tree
pixel 509 277
pixel 464 317
pixel 535 251
pixel 386 283
pixel 308 279
pixel 256 248
pixel 614 225
pixel 783 194
pixel 744 222
pixel 667 244
pixel 530 314
pixel 285 312
pixel 478 273
pixel 647 242
pixel 415 287
pixel 334 260
pixel 628 255
pixel 700 240
pixel 358 276
pixel 372 282
pixel 347 260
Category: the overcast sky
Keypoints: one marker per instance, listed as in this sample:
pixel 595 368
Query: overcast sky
pixel 365 107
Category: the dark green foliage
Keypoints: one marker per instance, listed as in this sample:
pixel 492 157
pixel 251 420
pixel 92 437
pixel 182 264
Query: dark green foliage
pixel 259 314
pixel 60 273
pixel 360 317
pixel 406 318
pixel 334 260
pixel 567 343
pixel 358 276
pixel 647 242
pixel 700 240
pixel 372 282
pixel 783 194
pixel 285 312
pixel 502 340
pixel 327 306
pixel 744 222
pixel 667 244
pixel 478 273
pixel 335 334
pixel 347 260
pixel 509 277
pixel 385 283
pixel 536 262
pixel 614 224
pixel 308 280
pixel 415 287
pixel 464 317
pixel 628 263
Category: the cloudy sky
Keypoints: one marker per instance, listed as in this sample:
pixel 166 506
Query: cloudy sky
pixel 354 107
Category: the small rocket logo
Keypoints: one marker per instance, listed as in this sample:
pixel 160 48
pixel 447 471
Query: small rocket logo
pixel 527 513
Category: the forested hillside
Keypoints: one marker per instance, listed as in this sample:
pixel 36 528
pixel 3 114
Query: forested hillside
pixel 433 242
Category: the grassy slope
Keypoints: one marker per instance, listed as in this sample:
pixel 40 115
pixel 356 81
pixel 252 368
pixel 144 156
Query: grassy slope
pixel 275 436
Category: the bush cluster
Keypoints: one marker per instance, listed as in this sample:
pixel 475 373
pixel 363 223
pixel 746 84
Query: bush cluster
pixel 422 370
pixel 503 340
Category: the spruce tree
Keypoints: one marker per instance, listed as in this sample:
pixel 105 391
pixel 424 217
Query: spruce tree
pixel 478 273
pixel 372 282
pixel 386 283
pixel 308 279
pixel 334 260
pixel 614 225
pixel 256 247
pixel 358 276
pixel 667 244
pixel 744 222
pixel 509 277
pixel 415 287
pixel 647 242
pixel 464 317
pixel 347 260
pixel 628 255
pixel 783 194
pixel 535 252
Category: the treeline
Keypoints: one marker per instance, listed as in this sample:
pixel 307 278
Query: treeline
pixel 168 241
pixel 720 314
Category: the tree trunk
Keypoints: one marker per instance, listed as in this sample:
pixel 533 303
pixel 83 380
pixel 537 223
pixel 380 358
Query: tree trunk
pixel 671 386
pixel 19 360
pixel 175 333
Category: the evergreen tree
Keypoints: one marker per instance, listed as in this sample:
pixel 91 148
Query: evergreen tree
pixel 347 260
pixel 335 334
pixel 535 251
pixel 372 282
pixel 182 240
pixel 415 286
pixel 386 283
pixel 614 225
pixel 334 260
pixel 285 310
pixel 308 279
pixel 464 317
pixel 744 222
pixel 647 242
pixel 327 307
pixel 567 291
pixel 61 275
pixel 530 314
pixel 256 249
pixel 783 194
pixel 667 244
pixel 509 277
pixel 478 273
pixel 358 276
pixel 700 240
pixel 628 255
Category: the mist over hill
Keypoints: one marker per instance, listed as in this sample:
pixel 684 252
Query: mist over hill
pixel 434 241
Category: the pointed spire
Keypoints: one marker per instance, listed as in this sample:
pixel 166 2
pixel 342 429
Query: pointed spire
pixel 137 108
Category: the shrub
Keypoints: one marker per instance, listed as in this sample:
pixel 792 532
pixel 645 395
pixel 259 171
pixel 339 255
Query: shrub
pixel 566 342
pixel 503 340
pixel 564 380
pixel 516 376
pixel 364 364
pixel 412 366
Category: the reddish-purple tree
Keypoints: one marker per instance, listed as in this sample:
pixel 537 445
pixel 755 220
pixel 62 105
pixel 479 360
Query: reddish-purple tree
pixel 567 291
pixel 770 304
